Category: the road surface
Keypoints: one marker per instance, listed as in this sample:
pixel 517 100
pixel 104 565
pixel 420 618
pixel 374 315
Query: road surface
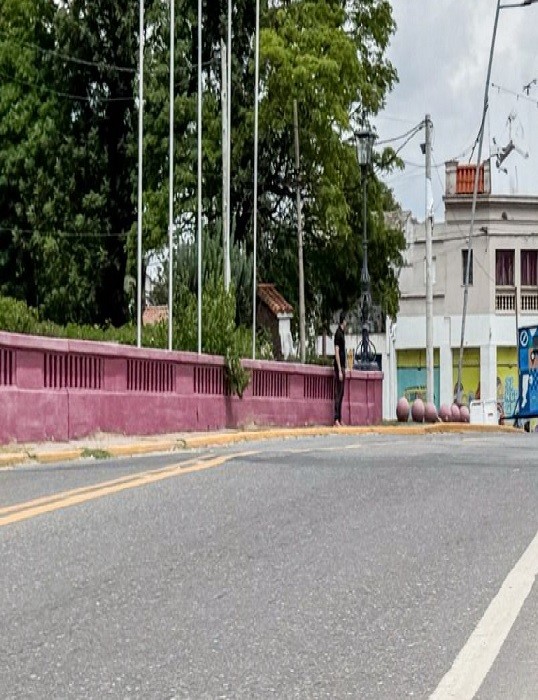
pixel 334 567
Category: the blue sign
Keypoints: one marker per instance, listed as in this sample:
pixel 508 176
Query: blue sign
pixel 527 360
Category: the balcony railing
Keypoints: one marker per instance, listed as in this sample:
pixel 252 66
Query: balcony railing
pixel 505 299
pixel 529 300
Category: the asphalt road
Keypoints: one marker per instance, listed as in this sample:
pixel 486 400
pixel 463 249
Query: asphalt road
pixel 313 568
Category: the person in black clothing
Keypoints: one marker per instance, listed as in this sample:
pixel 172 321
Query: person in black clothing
pixel 339 369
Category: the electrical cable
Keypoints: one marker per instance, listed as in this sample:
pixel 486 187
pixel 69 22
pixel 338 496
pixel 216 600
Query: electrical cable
pixel 410 133
pixel 65 57
pixel 80 98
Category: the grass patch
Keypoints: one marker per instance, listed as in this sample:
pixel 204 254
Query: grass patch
pixel 91 453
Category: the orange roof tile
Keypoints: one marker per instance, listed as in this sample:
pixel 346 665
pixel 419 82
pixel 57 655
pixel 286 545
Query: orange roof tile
pixel 273 299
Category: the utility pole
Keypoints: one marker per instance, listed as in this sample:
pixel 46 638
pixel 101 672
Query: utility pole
pixel 299 235
pixel 429 281
pixel 459 388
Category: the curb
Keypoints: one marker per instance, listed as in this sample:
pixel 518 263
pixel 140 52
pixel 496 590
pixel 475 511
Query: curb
pixel 10 459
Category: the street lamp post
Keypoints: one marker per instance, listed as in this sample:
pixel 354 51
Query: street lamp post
pixel 365 354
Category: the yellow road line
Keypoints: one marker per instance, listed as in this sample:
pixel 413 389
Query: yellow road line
pixel 83 489
pixel 48 504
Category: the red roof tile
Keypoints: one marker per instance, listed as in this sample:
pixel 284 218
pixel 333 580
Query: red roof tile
pixel 273 299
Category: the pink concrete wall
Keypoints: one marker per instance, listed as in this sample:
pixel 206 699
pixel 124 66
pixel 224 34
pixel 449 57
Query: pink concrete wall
pixel 53 389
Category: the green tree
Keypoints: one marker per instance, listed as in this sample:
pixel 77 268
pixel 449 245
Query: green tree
pixel 28 134
pixel 68 154
pixel 66 195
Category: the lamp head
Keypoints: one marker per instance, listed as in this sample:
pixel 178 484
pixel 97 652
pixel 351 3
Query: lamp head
pixel 365 145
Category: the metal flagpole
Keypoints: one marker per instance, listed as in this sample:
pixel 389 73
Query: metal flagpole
pixel 255 223
pixel 199 176
pixel 171 178
pixel 227 271
pixel 140 162
pixel 224 103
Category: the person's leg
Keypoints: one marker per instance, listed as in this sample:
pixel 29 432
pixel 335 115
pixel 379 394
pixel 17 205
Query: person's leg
pixel 338 397
pixel 341 399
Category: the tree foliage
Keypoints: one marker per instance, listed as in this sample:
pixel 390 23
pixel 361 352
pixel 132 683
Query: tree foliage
pixel 68 149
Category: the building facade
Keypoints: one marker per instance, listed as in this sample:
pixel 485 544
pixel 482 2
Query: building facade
pixel 503 294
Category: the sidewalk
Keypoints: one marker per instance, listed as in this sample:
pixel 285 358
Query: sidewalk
pixel 104 446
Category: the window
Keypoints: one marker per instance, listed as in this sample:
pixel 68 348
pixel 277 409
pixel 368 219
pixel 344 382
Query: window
pixel 504 268
pixel 464 254
pixel 529 268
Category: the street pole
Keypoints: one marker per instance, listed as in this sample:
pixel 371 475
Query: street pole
pixel 473 207
pixel 429 280
pixel 140 164
pixel 200 176
pixel 500 7
pixel 171 180
pixel 365 274
pixel 255 215
pixel 299 235
pixel 365 354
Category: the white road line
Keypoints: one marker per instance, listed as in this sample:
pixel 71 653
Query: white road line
pixel 479 653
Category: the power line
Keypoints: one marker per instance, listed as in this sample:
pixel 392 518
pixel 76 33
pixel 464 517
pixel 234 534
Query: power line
pixel 409 133
pixel 65 57
pixel 59 93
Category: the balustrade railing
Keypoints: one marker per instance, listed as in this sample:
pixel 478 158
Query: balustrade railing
pixel 505 300
pixel 529 300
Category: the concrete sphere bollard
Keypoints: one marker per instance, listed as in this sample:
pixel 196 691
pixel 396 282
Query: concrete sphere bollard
pixel 444 413
pixel 455 411
pixel 430 412
pixel 465 415
pixel 402 410
pixel 417 411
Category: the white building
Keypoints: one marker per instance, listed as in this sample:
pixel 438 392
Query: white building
pixel 503 294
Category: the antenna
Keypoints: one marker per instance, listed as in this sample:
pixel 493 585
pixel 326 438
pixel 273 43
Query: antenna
pixel 503 153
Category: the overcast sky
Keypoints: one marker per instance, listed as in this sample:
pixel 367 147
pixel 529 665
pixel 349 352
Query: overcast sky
pixel 441 50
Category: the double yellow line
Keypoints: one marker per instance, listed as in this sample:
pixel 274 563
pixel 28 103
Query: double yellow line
pixel 48 504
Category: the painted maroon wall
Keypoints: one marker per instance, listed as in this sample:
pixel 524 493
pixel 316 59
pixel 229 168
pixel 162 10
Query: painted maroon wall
pixel 53 389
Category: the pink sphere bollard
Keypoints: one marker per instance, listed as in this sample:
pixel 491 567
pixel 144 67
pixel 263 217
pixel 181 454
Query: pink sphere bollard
pixel 465 414
pixel 402 410
pixel 417 411
pixel 430 412
pixel 444 413
pixel 455 411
